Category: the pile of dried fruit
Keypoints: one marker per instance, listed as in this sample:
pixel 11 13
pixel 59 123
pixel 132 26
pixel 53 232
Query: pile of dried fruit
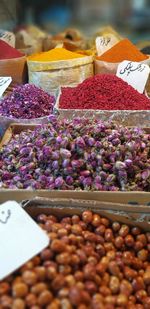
pixel 27 102
pixel 90 264
pixel 77 155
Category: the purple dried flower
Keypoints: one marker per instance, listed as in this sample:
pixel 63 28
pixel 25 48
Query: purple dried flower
pixel 27 102
pixel 55 165
pixel 65 163
pixel 66 154
pixel 69 180
pixel 59 182
pixel 80 142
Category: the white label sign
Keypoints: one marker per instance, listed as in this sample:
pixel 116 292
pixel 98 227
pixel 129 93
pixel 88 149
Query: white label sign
pixel 134 73
pixel 20 238
pixel 8 37
pixel 103 43
pixel 4 83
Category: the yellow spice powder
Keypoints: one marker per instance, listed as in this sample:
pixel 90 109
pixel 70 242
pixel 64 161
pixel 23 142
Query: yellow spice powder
pixel 55 54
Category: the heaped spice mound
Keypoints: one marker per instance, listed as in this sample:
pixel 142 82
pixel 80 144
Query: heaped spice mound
pixel 27 102
pixel 81 154
pixel 90 263
pixel 103 92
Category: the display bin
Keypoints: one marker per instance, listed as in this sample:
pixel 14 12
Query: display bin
pixel 66 207
pixel 126 197
pixel 125 117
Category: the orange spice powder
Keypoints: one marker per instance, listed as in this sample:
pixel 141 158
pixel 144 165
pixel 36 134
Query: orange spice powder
pixel 124 50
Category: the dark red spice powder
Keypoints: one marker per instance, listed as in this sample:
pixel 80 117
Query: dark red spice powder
pixel 8 52
pixel 103 92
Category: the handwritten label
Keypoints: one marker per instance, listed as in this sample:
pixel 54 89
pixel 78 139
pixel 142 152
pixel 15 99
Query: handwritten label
pixel 134 73
pixel 20 238
pixel 8 37
pixel 4 83
pixel 103 43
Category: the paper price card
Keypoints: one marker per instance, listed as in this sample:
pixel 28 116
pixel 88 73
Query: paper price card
pixel 4 83
pixel 8 37
pixel 20 238
pixel 134 73
pixel 103 43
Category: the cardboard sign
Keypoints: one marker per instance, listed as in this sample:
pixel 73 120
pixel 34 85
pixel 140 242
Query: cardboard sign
pixel 134 73
pixel 4 83
pixel 8 37
pixel 103 43
pixel 20 238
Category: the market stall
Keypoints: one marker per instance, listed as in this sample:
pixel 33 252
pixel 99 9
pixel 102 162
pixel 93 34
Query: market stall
pixel 74 171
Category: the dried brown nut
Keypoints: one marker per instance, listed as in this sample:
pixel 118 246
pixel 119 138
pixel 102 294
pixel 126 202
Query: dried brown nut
pixel 75 296
pixel 58 282
pixel 87 216
pixel 126 288
pixel 6 301
pixel 114 269
pixel 18 304
pixel 65 304
pixel 96 221
pixel 104 290
pixel 19 290
pixel 40 272
pixel 4 288
pixel 114 285
pixel 58 246
pixel 31 300
pixel 76 229
pixel 129 241
pixel 51 272
pixel 122 300
pixel 91 287
pixel 119 242
pixel 140 295
pixel 63 258
pixel 45 298
pixel 124 230
pixel 143 255
pixel 108 235
pixel 138 284
pixel 38 288
pixel 129 273
pixel 146 277
pixel 29 277
pixel 116 226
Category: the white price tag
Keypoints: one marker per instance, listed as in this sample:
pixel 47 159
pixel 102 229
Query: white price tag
pixel 103 43
pixel 4 83
pixel 134 73
pixel 8 37
pixel 20 238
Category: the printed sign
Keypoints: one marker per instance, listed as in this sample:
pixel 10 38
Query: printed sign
pixel 20 238
pixel 134 73
pixel 8 37
pixel 4 83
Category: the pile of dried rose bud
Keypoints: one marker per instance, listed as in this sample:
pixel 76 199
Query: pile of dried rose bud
pixel 82 154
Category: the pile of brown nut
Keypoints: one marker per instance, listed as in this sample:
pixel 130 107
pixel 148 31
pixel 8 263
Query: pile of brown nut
pixel 90 263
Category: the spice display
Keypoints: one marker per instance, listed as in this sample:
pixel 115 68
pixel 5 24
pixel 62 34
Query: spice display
pixel 123 50
pixel 90 264
pixel 55 54
pixel 27 102
pixel 82 154
pixel 103 92
pixel 8 52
